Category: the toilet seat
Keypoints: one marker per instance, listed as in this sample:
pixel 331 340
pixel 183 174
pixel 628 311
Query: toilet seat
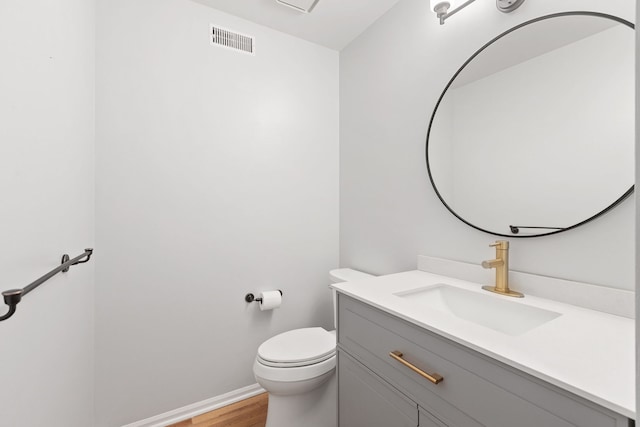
pixel 295 365
pixel 297 348
pixel 293 374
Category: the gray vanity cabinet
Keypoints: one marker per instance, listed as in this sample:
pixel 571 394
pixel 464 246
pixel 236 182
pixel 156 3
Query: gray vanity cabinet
pixel 367 401
pixel 477 391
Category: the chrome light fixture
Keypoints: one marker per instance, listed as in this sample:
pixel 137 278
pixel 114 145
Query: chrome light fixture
pixel 441 7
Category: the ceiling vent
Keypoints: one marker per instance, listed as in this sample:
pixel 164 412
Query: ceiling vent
pixel 232 40
pixel 305 6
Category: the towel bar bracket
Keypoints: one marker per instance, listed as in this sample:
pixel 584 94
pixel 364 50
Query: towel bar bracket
pixel 65 258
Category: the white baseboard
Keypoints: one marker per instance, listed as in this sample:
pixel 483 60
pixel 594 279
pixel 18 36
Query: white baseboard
pixel 199 408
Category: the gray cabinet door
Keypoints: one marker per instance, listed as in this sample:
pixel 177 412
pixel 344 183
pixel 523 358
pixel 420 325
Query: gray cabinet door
pixel 365 400
pixel 428 420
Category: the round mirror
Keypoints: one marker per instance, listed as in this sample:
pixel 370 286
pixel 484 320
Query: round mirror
pixel 535 133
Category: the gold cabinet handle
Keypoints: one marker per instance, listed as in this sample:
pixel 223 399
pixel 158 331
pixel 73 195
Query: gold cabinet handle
pixel 434 378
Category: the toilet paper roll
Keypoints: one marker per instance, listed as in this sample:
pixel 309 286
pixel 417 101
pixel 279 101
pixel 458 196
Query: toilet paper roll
pixel 270 300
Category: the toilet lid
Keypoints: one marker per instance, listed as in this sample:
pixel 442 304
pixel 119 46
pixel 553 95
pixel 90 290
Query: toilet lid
pixel 298 347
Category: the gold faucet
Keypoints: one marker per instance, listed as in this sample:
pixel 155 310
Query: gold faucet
pixel 501 264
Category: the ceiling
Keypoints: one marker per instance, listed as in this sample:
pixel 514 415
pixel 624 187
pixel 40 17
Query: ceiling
pixel 332 23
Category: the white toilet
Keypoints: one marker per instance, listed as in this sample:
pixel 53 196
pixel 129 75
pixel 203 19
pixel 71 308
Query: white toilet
pixel 297 368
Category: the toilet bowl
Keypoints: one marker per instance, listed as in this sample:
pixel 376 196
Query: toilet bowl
pixel 297 369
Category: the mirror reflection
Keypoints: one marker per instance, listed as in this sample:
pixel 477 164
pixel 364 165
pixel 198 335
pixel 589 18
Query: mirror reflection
pixel 537 130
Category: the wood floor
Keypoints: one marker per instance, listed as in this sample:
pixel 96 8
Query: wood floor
pixel 251 412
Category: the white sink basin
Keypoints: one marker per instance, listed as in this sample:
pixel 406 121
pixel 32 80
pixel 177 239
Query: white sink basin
pixel 490 311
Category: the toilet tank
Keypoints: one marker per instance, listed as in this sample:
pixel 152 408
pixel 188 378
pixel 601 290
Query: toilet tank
pixel 343 275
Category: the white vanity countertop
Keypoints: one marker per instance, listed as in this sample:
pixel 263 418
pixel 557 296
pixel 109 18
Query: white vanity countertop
pixel 586 352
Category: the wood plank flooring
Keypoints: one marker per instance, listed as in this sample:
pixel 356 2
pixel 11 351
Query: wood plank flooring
pixel 250 412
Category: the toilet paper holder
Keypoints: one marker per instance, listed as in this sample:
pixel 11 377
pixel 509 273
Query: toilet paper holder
pixel 251 298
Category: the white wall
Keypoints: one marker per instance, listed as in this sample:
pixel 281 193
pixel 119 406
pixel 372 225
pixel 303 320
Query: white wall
pixel 217 175
pixel 46 182
pixel 390 80
pixel 637 218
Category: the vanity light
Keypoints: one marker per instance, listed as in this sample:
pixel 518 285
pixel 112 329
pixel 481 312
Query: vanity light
pixel 441 7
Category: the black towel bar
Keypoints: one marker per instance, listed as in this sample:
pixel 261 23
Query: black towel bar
pixel 14 296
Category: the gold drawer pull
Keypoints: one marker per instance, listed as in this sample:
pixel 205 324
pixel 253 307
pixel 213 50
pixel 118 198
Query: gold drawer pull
pixel 434 378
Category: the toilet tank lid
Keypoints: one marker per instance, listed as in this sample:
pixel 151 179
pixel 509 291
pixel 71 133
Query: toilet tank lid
pixel 347 275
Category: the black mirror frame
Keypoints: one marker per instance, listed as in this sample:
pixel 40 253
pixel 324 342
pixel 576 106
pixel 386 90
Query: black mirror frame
pixel 455 75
